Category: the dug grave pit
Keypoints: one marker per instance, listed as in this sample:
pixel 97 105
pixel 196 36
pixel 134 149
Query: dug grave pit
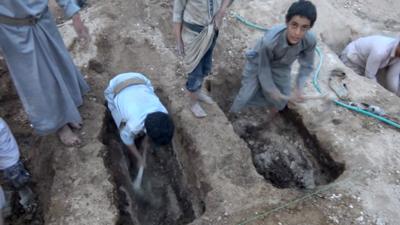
pixel 283 149
pixel 165 196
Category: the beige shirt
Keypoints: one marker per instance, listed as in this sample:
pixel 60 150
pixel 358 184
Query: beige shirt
pixel 198 12
pixel 373 53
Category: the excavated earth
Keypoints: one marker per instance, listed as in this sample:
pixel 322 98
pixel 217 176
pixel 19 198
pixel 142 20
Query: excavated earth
pixel 314 164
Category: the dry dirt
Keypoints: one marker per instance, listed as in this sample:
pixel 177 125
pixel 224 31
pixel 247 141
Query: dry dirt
pixel 235 169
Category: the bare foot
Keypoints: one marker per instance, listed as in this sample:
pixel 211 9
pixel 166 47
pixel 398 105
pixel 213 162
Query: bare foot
pixel 67 137
pixel 197 110
pixel 76 126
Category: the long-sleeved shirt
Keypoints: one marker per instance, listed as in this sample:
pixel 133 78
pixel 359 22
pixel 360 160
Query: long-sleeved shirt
pixel 268 68
pixel 275 52
pixel 132 105
pixel 373 53
pixel 200 12
pixel 26 8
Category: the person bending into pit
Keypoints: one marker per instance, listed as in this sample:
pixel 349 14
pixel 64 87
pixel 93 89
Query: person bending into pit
pixel 196 27
pixel 266 77
pixel 137 111
pixel 375 56
pixel 48 83
pixel 13 172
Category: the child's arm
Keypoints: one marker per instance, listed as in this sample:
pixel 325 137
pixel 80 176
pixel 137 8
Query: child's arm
pixel 264 70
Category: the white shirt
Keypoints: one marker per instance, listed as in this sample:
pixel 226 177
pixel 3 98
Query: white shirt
pixel 132 105
pixel 373 53
pixel 9 152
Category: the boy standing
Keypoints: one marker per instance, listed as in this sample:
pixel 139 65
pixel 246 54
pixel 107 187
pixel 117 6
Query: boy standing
pixel 266 78
pixel 196 27
pixel 48 83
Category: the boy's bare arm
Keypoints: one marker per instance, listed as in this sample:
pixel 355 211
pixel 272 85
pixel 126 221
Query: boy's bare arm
pixel 221 13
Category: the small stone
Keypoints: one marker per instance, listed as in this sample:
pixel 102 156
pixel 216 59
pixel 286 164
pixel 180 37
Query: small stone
pixel 334 196
pixel 334 219
pixel 360 219
pixel 351 206
pixel 286 152
pixel 219 218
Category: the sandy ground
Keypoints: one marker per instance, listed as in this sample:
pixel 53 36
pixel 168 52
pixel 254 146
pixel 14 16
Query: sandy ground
pixel 216 154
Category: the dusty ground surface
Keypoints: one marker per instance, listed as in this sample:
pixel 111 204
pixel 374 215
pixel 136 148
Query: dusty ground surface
pixel 215 155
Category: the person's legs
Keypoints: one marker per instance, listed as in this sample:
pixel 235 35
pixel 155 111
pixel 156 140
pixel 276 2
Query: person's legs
pixel 250 85
pixel 49 66
pixel 18 177
pixel 193 85
pixel 206 62
pixel 207 59
pixel 12 170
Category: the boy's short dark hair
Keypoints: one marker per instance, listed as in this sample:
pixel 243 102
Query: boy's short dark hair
pixel 159 127
pixel 302 8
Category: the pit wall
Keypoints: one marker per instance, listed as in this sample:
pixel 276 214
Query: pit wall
pixel 82 192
